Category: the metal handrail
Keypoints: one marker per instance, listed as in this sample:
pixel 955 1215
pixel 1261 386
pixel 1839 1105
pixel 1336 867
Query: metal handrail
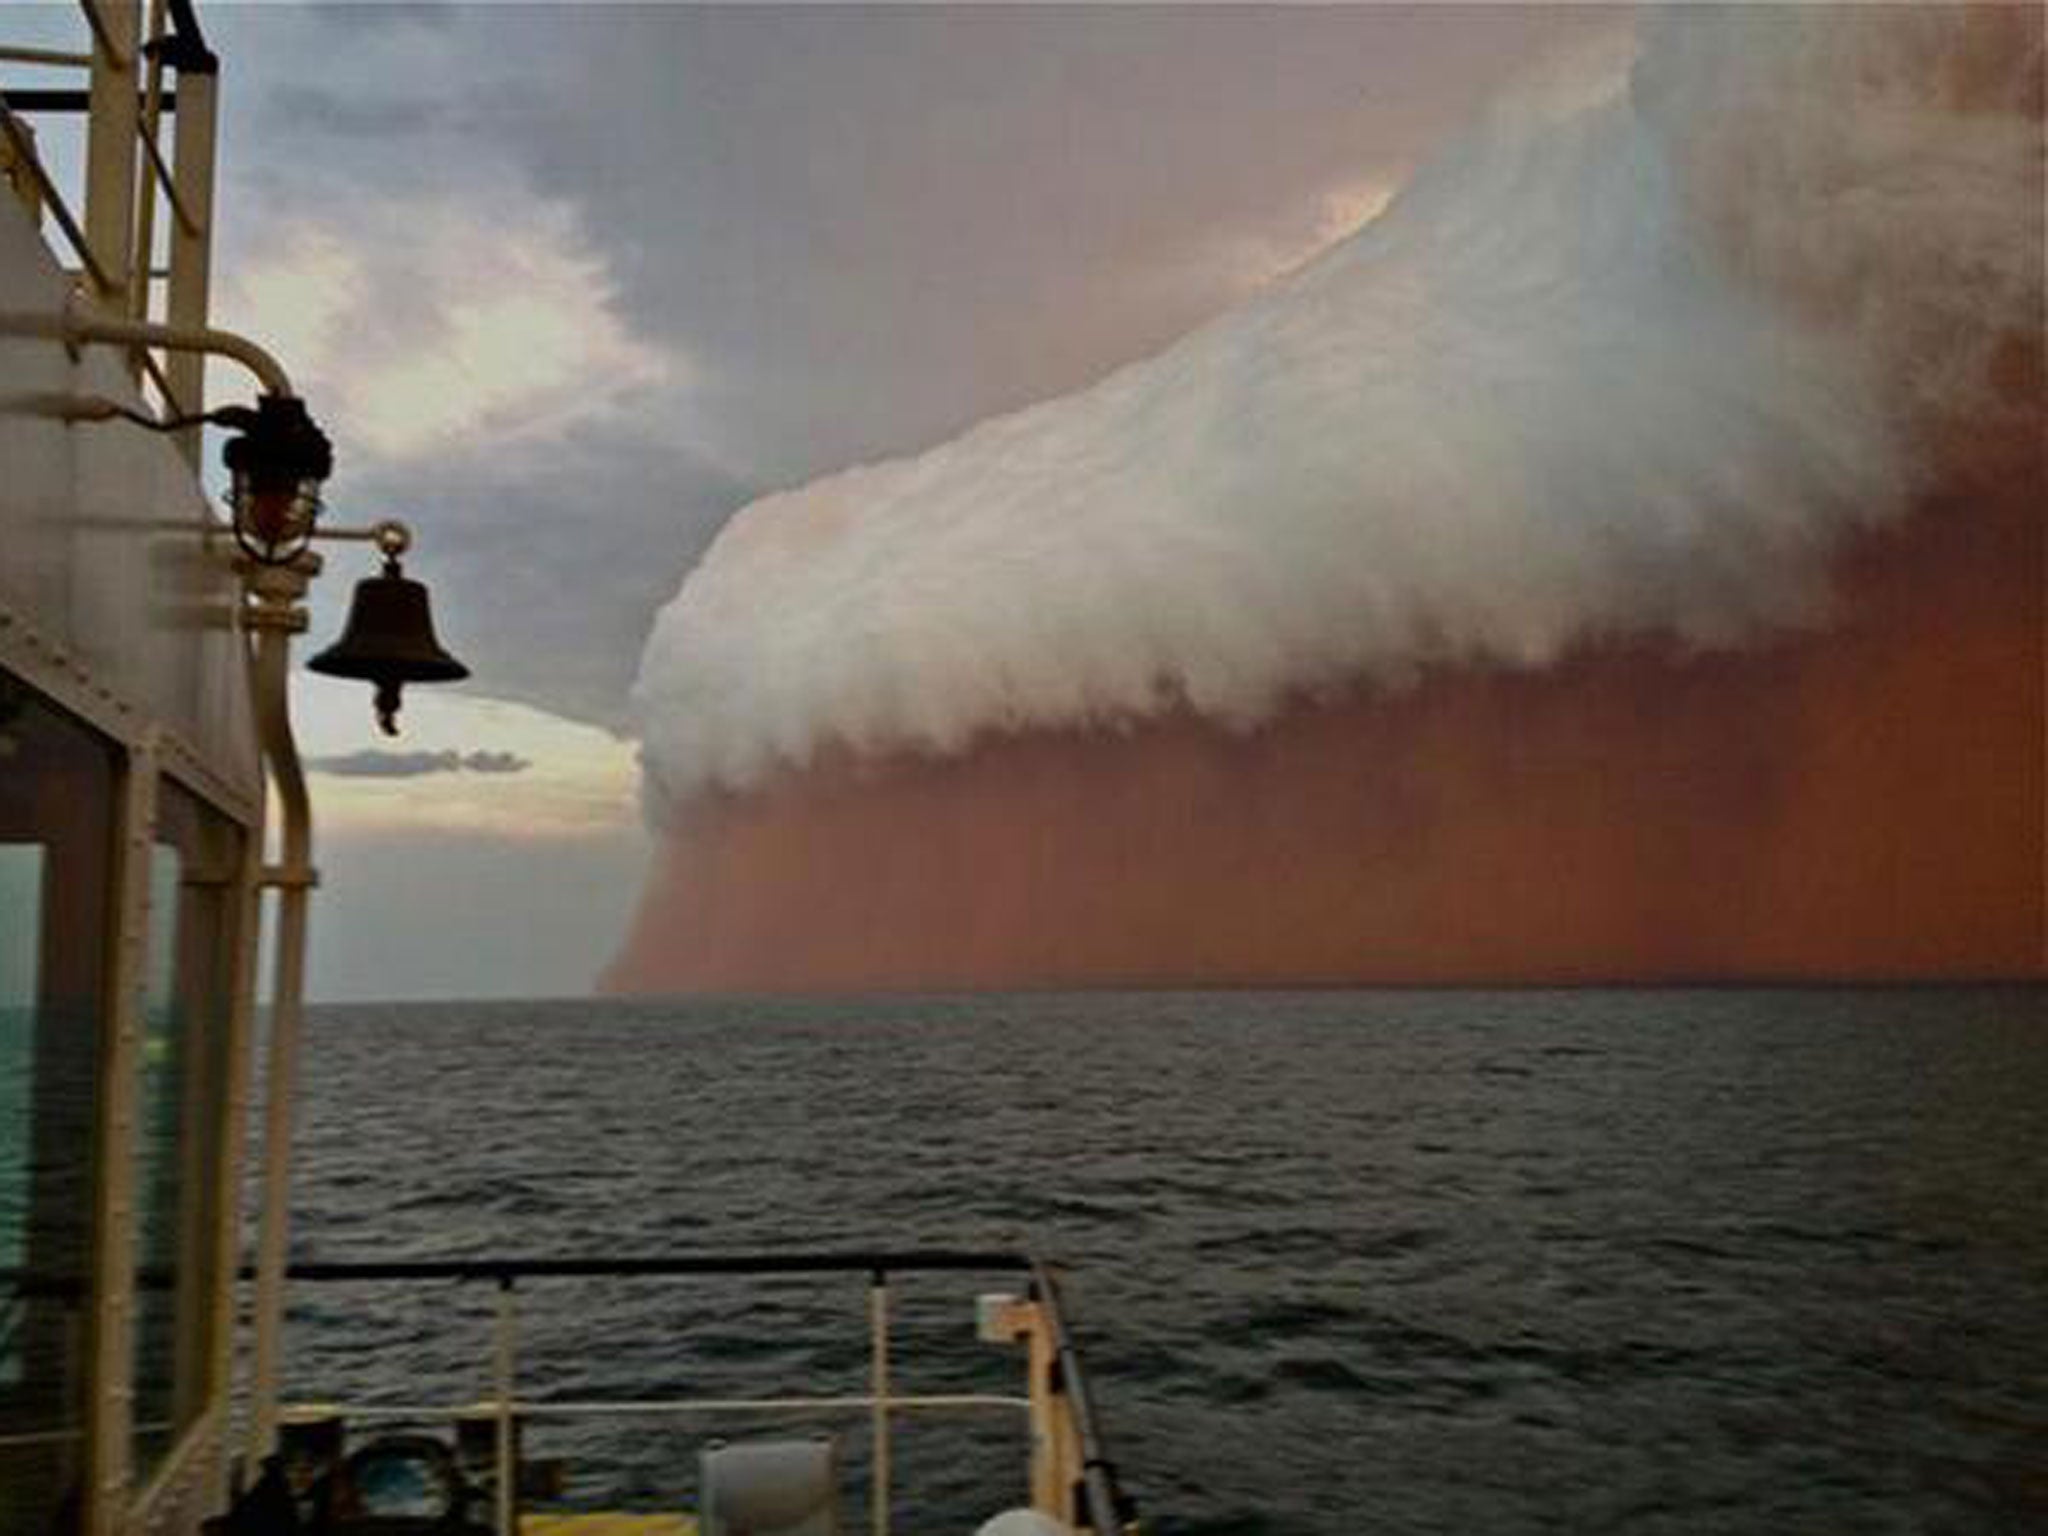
pixel 497 1271
pixel 1107 1507
pixel 52 196
pixel 49 58
pixel 102 33
pixel 682 1407
pixel 155 372
pixel 167 180
pixel 125 271
pixel 1098 1500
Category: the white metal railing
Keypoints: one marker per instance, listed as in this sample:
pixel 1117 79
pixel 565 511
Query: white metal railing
pixel 1070 1476
pixel 137 74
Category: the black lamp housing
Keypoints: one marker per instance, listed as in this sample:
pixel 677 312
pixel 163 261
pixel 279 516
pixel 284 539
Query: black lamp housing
pixel 276 465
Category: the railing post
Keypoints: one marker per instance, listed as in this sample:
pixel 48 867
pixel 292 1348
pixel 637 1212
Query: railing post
pixel 239 1049
pixel 878 1329
pixel 1052 1432
pixel 274 616
pixel 147 123
pixel 18 167
pixel 506 1330
pixel 110 1412
pixel 186 298
pixel 111 147
pixel 1091 1500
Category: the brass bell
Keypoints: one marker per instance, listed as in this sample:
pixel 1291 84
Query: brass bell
pixel 389 641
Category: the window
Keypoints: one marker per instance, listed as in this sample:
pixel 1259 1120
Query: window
pixel 57 781
pixel 180 1114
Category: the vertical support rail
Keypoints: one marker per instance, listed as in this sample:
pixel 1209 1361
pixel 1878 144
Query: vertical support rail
pixel 186 297
pixel 1097 1506
pixel 878 1331
pixel 110 1412
pixel 274 616
pixel 111 149
pixel 505 1329
pixel 240 1047
pixel 145 188
pixel 1052 1432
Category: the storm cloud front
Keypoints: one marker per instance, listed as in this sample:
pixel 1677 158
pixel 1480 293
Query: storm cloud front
pixel 1621 559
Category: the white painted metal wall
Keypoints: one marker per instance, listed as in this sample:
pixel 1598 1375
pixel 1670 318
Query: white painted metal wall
pixel 102 552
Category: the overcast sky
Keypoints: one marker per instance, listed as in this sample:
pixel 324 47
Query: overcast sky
pixel 569 284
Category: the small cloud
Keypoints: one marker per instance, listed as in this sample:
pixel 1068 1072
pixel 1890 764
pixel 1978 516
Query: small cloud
pixel 372 764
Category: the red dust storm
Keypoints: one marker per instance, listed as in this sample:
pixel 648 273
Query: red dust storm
pixel 1862 802
pixel 1857 794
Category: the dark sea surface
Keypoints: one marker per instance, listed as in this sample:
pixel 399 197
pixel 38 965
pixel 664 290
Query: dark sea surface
pixel 1727 1261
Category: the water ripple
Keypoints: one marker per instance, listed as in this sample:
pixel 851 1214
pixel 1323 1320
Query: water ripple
pixel 1680 1263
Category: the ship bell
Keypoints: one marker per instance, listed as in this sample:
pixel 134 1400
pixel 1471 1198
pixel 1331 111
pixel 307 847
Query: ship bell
pixel 389 641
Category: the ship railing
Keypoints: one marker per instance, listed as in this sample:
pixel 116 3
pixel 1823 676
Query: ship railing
pixel 137 76
pixel 1071 1475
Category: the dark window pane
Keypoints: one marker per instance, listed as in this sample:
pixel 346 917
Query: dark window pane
pixel 179 1118
pixel 57 781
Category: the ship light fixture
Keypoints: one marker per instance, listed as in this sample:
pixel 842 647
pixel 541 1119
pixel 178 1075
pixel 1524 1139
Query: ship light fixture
pixel 276 465
pixel 277 460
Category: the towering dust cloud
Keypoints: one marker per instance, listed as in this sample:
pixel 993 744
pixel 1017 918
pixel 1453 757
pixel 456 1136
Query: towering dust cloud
pixel 1621 559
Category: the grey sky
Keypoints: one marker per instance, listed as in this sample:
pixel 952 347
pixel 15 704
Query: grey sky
pixel 736 248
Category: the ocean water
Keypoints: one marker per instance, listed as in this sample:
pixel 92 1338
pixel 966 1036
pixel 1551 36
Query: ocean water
pixel 1575 1261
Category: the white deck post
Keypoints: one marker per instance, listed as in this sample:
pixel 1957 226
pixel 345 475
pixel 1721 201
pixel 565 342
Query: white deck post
pixel 275 616
pixel 110 1413
pixel 111 147
pixel 186 301
pixel 505 1332
pixel 878 1328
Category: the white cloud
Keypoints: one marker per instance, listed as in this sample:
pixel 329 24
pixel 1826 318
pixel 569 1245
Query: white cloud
pixel 425 327
pixel 1570 385
pixel 1251 260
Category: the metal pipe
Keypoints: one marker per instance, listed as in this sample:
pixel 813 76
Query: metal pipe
pixel 53 57
pixel 390 534
pixel 275 616
pixel 77 325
